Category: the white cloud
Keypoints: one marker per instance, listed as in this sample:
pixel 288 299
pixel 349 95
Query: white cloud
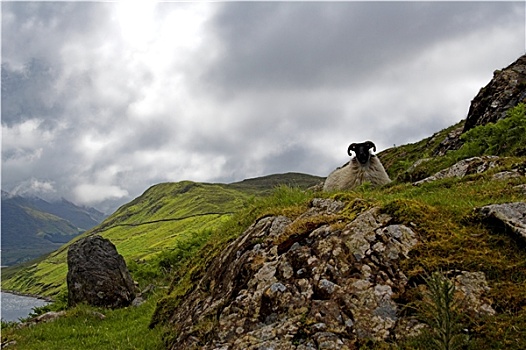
pixel 35 187
pixel 89 194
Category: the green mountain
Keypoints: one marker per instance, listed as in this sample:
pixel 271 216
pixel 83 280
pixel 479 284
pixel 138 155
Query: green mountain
pixel 32 227
pixel 161 219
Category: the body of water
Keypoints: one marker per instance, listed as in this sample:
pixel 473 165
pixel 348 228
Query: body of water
pixel 15 307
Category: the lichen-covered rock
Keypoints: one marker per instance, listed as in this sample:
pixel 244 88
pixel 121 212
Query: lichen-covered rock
pixel 511 216
pixel 471 296
pixel 451 142
pixel 302 284
pixel 98 275
pixel 472 290
pixel 504 91
pixel 475 165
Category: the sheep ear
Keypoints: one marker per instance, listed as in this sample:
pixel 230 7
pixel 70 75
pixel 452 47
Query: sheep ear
pixel 352 147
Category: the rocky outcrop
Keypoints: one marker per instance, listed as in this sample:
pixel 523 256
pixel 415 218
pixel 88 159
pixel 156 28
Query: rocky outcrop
pixel 475 165
pixel 98 275
pixel 510 216
pixel 506 90
pixel 450 142
pixel 320 281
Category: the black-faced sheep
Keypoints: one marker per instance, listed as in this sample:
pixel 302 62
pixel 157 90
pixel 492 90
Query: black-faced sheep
pixel 364 167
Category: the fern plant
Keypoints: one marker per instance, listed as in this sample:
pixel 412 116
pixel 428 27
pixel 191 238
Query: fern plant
pixel 503 138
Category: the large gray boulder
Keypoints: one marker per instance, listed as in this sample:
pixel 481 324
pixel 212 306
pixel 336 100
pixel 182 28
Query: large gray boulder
pixel 98 275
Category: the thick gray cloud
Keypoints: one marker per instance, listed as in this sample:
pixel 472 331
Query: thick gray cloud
pixel 102 100
pixel 312 45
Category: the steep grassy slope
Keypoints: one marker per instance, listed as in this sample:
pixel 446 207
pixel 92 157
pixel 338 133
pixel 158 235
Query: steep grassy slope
pixel 161 221
pixel 440 212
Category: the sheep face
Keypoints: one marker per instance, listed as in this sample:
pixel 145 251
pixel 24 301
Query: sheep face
pixel 364 167
pixel 362 151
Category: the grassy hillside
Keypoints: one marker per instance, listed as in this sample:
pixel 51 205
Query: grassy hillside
pixel 168 220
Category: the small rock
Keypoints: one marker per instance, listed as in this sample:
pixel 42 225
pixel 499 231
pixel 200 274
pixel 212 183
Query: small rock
pixel 472 287
pixel 48 316
pixel 137 301
pixel 511 216
pixel 475 165
pixel 278 287
pixel 506 175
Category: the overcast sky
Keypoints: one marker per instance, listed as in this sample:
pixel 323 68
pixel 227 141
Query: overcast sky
pixel 102 100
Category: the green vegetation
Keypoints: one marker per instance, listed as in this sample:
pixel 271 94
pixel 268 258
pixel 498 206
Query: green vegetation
pixel 83 328
pixel 160 222
pixel 441 214
pixel 507 137
pixel 440 311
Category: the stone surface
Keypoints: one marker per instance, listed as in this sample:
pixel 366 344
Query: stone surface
pixel 475 165
pixel 325 280
pixel 471 289
pixel 451 142
pixel 506 90
pixel 320 288
pixel 471 294
pixel 98 275
pixel 511 216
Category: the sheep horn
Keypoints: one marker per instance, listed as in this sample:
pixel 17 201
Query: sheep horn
pixel 372 145
pixel 351 148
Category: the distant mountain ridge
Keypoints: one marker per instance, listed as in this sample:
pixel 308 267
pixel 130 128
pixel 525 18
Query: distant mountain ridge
pixel 32 226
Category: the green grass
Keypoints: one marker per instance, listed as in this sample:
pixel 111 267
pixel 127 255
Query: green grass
pixel 153 224
pixel 81 329
pixel 440 213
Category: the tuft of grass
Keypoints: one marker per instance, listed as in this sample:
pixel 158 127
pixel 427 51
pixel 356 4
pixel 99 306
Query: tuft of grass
pixel 505 138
